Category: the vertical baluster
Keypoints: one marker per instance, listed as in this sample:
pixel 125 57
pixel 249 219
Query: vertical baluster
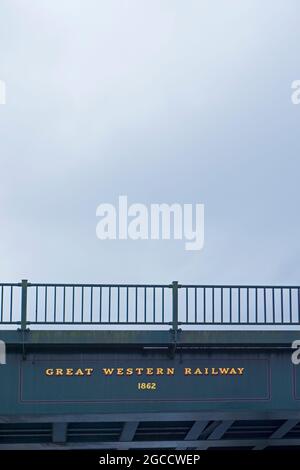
pixel 291 306
pixel 230 305
pixel 136 305
pixel 73 304
pixel 11 304
pixel 91 306
pixel 2 297
pixel 153 313
pixel 145 304
pixel 109 304
pixel 186 305
pixel 100 305
pixel 204 304
pixel 265 306
pixel 36 303
pixel 273 306
pixel 46 303
pixel 222 314
pixel 196 309
pixel 82 303
pixel 127 304
pixel 256 305
pixel 239 305
pixel 213 304
pixel 54 304
pixel 298 304
pixel 163 304
pixel 118 304
pixel 247 305
pixel 281 310
pixel 64 304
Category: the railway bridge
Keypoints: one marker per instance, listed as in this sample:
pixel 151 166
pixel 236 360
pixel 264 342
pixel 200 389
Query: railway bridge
pixel 106 366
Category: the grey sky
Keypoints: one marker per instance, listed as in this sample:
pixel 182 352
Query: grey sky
pixel 164 101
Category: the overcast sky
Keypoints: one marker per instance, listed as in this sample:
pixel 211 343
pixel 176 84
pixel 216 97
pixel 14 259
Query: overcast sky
pixel 163 101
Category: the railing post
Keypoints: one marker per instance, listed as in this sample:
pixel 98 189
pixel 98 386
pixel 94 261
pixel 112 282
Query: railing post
pixel 175 305
pixel 24 286
pixel 174 330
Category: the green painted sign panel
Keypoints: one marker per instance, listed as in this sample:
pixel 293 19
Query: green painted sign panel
pixel 86 382
pixel 182 379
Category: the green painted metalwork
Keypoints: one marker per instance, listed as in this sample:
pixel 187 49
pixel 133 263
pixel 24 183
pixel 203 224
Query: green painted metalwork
pixel 27 304
pixel 204 410
pixel 227 384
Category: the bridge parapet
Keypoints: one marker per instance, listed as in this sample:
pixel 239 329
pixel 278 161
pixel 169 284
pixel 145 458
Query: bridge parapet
pixel 177 305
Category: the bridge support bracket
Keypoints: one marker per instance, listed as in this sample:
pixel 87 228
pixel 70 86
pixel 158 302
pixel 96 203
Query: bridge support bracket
pixel 24 331
pixel 175 334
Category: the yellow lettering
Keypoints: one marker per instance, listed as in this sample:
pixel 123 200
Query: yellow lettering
pixel 224 370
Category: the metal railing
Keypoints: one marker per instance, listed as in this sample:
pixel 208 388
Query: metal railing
pixel 28 304
pixel 240 305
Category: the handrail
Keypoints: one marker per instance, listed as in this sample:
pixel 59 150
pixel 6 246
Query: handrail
pixel 171 304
